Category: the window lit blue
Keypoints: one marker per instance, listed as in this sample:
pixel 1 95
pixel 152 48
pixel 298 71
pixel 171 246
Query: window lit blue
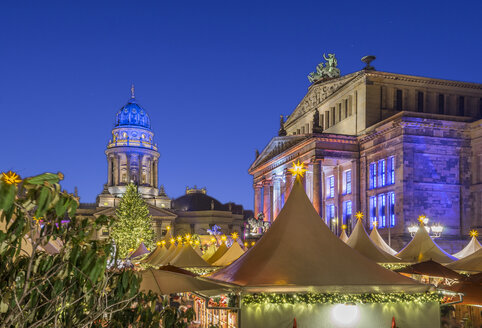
pixel 381 173
pixel 373 175
pixel 373 210
pixel 331 187
pixel 347 212
pixel 391 208
pixel 348 182
pixel 382 218
pixel 391 170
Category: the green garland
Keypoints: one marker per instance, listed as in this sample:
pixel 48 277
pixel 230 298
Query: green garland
pixel 393 266
pixel 329 298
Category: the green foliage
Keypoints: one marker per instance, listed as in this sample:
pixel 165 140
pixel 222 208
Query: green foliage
pixel 133 223
pixel 176 318
pixel 73 286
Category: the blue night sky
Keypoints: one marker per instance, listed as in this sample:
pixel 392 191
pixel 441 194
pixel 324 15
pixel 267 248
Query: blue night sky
pixel 214 76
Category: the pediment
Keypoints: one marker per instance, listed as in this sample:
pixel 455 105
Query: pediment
pixel 276 146
pixel 318 93
pixel 155 212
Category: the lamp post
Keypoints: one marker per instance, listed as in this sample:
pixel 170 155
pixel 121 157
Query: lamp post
pixel 435 231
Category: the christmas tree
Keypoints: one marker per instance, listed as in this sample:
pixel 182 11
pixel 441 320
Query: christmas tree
pixel 132 223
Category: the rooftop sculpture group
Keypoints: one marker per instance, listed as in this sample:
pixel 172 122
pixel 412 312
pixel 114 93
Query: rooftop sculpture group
pixel 325 70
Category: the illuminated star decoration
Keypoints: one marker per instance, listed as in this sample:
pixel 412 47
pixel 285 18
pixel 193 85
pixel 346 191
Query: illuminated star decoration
pixel 11 178
pixel 473 233
pixel 298 169
pixel 187 237
pixel 359 215
pixel 421 219
pixel 158 243
pixel 234 235
pixel 223 238
pixel 375 223
pixel 172 241
pixel 163 243
pixel 343 227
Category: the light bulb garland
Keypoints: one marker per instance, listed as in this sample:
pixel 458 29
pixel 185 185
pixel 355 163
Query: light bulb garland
pixel 333 298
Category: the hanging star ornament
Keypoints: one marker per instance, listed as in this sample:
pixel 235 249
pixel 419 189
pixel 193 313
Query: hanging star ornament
pixel 359 215
pixel 298 169
pixel 473 233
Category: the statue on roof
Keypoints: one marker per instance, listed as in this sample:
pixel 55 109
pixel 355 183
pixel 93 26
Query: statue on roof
pixel 282 131
pixel 328 70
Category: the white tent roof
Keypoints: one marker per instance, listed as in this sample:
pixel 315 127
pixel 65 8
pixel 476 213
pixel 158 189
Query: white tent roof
pixel 471 263
pixel 218 254
pixel 170 254
pixel 378 240
pixel 422 248
pixel 360 241
pixel 188 258
pixel 231 255
pixel 300 253
pixel 167 282
pixel 344 236
pixel 155 255
pixel 209 252
pixel 471 248
pixel 141 250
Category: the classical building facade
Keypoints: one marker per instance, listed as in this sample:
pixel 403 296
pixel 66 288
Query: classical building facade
pixel 389 145
pixel 133 157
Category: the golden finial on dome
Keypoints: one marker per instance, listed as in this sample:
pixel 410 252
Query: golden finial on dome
pixel 132 91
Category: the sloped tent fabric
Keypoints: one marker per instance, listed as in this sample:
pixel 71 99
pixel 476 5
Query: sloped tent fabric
pixel 155 255
pixel 300 253
pixel 422 248
pixel 378 240
pixel 166 282
pixel 140 251
pixel 430 268
pixel 169 257
pixel 168 236
pixel 218 254
pixel 360 241
pixel 472 247
pixel 159 259
pixel 471 263
pixel 188 258
pixel 231 255
pixel 209 252
pixel 344 236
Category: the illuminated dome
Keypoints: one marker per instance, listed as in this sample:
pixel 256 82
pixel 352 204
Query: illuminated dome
pixel 132 115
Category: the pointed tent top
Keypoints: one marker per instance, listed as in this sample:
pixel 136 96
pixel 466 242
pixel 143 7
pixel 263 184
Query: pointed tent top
pixel 231 255
pixel 472 247
pixel 423 248
pixel 360 241
pixel 188 258
pixel 378 240
pixel 344 236
pixel 141 250
pixel 280 263
pixel 155 255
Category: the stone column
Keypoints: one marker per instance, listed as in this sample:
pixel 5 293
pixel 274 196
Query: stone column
pixel 156 167
pixel 257 199
pixel 117 165
pixel 317 185
pixel 288 184
pixel 267 202
pixel 109 171
pixel 276 196
pixel 336 201
pixel 128 163
pixel 355 191
pixel 323 194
